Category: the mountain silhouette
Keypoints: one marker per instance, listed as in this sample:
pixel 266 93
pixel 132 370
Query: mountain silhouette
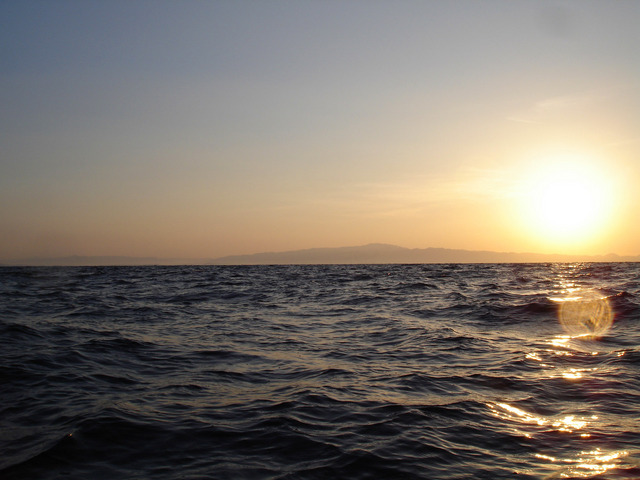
pixel 384 253
pixel 374 253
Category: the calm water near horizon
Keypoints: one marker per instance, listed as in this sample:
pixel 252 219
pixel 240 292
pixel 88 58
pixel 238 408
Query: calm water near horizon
pixel 449 371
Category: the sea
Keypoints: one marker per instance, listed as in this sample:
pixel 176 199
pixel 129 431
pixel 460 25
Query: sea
pixel 452 371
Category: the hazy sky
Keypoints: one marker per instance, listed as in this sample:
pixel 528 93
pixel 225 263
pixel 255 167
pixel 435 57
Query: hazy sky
pixel 201 129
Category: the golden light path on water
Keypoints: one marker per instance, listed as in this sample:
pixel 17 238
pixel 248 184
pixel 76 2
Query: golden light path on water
pixel 586 463
pixel 571 446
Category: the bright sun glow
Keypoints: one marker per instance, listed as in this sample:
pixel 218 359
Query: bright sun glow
pixel 568 200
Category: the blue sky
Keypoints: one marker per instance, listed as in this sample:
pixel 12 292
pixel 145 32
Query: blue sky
pixel 201 129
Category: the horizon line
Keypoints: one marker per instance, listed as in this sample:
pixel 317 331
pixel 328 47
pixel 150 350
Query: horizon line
pixel 132 260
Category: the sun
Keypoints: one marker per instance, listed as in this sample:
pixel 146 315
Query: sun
pixel 567 200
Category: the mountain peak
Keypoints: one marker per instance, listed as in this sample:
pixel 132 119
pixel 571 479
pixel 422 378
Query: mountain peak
pixel 386 253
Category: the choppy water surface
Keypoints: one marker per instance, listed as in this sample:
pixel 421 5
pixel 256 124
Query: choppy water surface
pixel 305 372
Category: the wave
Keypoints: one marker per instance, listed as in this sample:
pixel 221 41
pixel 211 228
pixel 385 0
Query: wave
pixel 389 371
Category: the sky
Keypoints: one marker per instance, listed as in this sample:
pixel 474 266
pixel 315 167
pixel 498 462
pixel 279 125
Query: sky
pixel 198 129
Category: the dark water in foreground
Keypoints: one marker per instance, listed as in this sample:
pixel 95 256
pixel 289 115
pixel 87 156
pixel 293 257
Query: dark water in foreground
pixel 315 372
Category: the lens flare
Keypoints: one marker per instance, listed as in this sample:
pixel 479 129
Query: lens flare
pixel 587 315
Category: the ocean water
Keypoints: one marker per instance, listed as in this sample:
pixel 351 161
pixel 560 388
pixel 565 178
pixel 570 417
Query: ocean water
pixel 317 372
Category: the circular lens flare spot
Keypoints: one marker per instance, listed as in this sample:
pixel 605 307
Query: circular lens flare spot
pixel 588 315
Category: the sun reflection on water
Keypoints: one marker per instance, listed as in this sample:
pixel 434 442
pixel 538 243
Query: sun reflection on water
pixel 585 463
pixel 565 440
pixel 568 423
pixel 565 346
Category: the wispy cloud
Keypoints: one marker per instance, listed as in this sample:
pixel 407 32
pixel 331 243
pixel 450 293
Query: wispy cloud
pixel 421 193
pixel 563 103
pixel 548 108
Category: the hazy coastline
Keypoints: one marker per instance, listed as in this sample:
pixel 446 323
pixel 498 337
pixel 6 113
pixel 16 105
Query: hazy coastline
pixel 375 253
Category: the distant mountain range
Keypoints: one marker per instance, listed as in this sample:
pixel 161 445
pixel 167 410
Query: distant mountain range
pixel 383 253
pixel 372 253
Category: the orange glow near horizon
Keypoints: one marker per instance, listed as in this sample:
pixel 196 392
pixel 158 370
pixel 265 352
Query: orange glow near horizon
pixel 246 133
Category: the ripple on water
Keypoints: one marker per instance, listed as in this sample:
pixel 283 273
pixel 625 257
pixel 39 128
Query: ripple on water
pixel 385 371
